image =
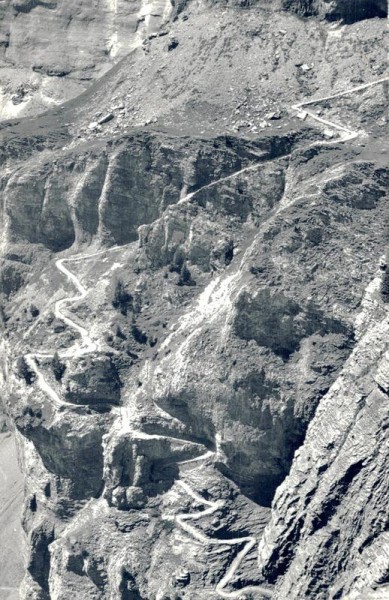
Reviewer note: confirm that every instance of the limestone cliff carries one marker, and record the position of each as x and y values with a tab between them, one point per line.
52	51
327	537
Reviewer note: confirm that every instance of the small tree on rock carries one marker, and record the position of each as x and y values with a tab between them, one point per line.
34	310
58	367
177	260
185	277
121	300
24	371
138	335
385	286
3	318
119	332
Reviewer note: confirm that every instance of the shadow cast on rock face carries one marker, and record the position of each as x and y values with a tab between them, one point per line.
39	561
280	323
199	427
350	11
128	588
358	10
161	478
260	489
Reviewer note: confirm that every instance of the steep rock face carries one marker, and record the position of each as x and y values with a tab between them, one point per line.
67	435
11	498
327	535
289	330
106	194
63	463
51	51
70	449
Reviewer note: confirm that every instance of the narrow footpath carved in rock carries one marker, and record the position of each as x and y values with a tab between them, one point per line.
88	345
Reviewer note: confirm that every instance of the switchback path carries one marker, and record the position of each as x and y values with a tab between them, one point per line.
88	345
346	133
248	542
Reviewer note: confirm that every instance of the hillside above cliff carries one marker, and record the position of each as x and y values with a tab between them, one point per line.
194	298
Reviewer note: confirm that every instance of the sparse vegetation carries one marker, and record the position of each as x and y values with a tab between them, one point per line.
138	335
130	353
122	299
24	371
385	286
229	252
50	318
178	261
3	318
185	276
58	367
119	332
153	341
58	326
34	311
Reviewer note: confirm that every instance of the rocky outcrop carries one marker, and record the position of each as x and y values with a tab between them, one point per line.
279	323
143	466
70	449
93	380
108	194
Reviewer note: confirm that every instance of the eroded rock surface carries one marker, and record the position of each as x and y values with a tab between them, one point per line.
51	51
328	508
194	338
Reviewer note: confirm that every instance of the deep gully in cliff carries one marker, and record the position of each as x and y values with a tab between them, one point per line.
88	346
